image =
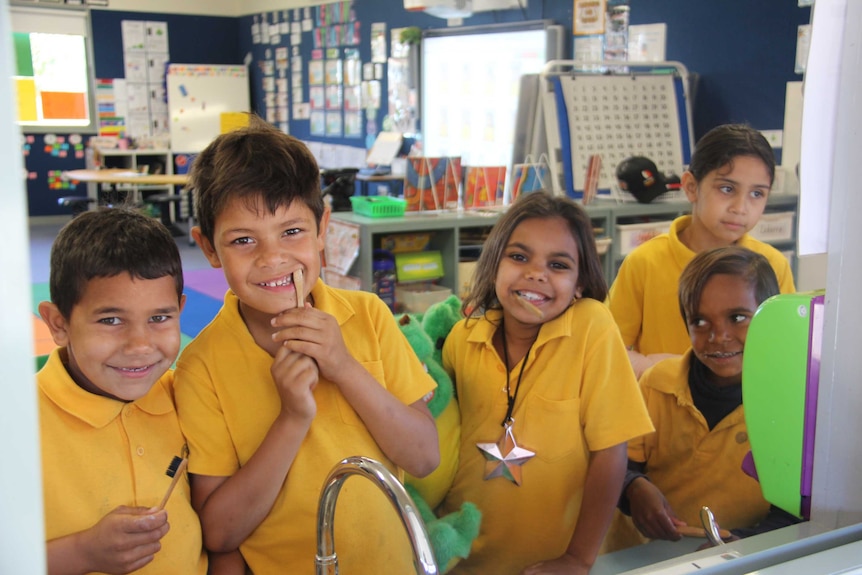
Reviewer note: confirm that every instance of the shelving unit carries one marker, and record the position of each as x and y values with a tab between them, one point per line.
447	231
631	213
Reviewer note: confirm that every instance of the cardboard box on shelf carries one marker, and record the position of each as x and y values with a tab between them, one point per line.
465	277
774	227
419	266
400	243
602	245
632	235
417	298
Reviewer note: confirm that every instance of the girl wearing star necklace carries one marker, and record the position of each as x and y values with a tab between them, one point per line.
548	399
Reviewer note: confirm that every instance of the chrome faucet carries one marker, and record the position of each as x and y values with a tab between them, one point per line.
326	561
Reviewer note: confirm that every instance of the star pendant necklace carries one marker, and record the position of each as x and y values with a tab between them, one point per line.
504	457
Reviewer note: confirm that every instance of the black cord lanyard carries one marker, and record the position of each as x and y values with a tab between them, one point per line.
511	398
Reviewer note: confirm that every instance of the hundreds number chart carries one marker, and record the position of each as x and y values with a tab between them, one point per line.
616	117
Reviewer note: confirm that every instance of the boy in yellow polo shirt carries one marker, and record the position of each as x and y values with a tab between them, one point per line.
292	377
727	183
694	458
108	426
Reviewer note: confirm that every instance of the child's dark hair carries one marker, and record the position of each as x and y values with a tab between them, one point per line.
538	204
108	242
732	260
259	165
719	146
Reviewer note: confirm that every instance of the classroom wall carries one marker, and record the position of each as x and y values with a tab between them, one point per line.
192	39
742	51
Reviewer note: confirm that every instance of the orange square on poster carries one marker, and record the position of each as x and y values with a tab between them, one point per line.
64	106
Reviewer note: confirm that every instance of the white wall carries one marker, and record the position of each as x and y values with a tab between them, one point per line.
837	497
21	525
213	7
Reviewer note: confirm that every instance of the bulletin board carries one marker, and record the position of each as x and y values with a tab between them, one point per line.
615	117
198	94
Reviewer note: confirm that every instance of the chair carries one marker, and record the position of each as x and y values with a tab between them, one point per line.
162	202
77	204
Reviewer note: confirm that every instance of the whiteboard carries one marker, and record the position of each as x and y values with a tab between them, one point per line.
198	94
470	104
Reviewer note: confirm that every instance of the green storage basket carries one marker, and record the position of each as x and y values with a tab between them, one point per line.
378	206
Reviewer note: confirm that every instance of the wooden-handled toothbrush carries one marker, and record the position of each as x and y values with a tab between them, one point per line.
300	288
175	469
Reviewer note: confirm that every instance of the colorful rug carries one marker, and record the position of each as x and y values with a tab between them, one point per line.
204	291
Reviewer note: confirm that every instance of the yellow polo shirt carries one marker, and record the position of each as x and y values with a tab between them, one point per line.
644	297
100	453
227	402
692	465
578	395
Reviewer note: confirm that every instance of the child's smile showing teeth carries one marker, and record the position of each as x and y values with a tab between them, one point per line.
281	282
532	297
723	354
135	371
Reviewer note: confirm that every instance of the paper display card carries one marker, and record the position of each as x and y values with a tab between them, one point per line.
529	178
432	183
483	186
342	246
385	149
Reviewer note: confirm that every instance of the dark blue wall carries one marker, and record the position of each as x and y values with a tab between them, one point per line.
743	52
191	39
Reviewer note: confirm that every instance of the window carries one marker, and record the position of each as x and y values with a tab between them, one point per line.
52	69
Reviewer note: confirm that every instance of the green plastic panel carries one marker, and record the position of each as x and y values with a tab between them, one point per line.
774	374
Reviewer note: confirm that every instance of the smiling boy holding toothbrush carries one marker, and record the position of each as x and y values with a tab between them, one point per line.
287	380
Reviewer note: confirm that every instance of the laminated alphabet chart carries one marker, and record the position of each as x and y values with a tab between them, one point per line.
613	117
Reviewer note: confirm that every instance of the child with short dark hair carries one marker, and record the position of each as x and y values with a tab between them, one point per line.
540	358
109	430
695	401
289	380
727	183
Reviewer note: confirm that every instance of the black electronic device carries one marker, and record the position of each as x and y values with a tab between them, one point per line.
339	185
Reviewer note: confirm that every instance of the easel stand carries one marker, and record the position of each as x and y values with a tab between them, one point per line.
615	112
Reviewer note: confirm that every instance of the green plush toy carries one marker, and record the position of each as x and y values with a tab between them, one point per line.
451	535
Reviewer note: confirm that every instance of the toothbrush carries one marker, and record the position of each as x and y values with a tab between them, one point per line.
175	470
531	308
300	291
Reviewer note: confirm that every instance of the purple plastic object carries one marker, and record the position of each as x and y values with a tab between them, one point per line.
748	466
812	385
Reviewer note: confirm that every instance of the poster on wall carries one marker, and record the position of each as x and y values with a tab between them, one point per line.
588	17
333	123
378	42
317	125
145	54
324	39
198	94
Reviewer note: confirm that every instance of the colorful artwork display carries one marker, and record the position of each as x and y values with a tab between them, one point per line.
432	183
529	178
483	186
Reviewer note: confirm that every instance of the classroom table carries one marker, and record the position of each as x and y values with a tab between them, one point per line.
364	180
115	177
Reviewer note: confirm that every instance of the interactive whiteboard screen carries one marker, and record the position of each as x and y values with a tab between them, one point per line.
470	85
